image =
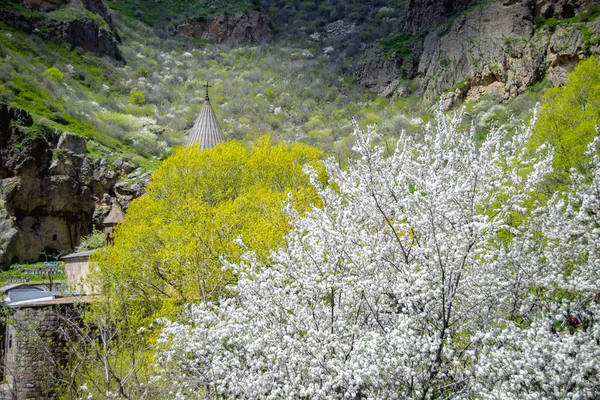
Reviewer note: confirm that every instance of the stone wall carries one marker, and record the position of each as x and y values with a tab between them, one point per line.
35	338
76	270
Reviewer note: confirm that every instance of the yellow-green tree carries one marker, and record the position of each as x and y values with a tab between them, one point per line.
568	119
169	250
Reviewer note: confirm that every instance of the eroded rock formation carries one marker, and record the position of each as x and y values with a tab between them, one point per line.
498	47
238	29
51	191
81	31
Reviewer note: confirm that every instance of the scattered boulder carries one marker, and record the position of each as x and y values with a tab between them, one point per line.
72	143
341	28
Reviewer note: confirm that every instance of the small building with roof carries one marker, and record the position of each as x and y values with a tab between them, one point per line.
206	132
114	217
77	265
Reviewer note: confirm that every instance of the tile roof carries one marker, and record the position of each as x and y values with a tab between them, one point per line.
114	216
76	255
206	131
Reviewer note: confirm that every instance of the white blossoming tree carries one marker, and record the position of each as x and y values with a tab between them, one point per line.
431	273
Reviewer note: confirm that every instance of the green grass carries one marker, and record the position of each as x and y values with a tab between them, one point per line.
31	273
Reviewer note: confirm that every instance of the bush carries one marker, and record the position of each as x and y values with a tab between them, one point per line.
93	241
54	73
136	97
552	23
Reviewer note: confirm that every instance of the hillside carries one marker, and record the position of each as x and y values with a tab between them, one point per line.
127	76
402	201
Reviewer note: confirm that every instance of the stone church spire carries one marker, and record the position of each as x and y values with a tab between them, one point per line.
206	131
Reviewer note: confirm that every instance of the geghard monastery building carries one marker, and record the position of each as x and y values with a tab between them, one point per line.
206	131
39	312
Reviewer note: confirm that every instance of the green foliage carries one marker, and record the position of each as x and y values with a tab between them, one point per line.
551	23
93	241
196	205
136	97
54	73
400	45
568	120
169	250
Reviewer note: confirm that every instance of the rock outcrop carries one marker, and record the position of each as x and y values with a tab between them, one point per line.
375	70
422	15
498	48
238	29
88	35
80	31
50	189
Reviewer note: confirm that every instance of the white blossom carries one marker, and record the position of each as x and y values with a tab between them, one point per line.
435	272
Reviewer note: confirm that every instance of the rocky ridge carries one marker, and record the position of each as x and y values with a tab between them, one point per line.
238	29
491	48
90	26
52	190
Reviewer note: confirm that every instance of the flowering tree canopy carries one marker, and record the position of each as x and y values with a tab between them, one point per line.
436	272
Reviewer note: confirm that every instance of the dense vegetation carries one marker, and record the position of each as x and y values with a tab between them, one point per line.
432	273
569	120
422	265
202	207
292	89
415	271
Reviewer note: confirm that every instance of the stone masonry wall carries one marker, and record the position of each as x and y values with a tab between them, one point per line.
35	350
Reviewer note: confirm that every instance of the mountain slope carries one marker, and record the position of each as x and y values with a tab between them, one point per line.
128	75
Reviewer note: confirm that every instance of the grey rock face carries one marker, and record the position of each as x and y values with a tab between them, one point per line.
239	29
376	71
44	5
8	236
80	31
86	33
485	48
421	15
49	189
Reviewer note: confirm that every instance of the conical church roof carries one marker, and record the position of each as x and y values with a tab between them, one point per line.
114	216
206	131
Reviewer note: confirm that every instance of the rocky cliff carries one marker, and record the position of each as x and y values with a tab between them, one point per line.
477	48
83	23
51	190
238	29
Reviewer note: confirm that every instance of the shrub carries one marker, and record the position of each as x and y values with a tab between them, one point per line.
93	241
54	73
136	97
552	23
